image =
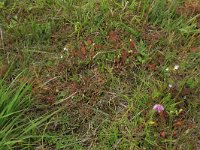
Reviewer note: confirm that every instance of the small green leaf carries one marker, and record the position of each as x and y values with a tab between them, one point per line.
1	5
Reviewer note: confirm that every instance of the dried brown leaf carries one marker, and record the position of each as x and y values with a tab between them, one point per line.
3	70
113	36
162	134
83	50
124	56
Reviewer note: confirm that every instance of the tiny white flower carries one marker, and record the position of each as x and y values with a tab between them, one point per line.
185	97
176	67
170	86
61	56
66	49
180	110
167	69
130	51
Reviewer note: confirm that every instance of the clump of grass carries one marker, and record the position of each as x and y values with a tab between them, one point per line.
17	128
15	100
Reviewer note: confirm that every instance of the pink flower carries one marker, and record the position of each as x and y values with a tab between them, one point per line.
158	107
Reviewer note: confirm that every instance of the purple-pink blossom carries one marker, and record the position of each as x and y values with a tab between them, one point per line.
158	107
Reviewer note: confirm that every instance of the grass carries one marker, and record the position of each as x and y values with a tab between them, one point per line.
86	74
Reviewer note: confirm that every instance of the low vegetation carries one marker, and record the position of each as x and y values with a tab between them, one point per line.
105	74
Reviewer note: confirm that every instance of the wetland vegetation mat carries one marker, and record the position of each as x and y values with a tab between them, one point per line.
99	74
